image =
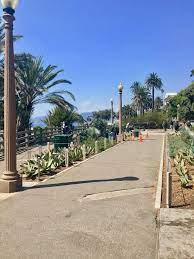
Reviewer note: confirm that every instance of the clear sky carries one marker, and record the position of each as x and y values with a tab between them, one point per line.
99	43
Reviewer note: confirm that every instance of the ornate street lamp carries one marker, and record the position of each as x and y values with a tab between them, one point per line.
120	88
9	6
112	111
10	181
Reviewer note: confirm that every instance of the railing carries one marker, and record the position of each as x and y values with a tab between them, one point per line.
30	138
36	137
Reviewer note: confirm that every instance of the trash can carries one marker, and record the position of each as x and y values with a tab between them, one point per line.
136	133
62	141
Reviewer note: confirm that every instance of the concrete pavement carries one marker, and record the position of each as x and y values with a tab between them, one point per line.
176	234
103	208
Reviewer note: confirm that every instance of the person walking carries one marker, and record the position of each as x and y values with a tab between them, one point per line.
165	125
176	126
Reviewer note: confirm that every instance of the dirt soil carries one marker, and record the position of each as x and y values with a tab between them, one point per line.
181	197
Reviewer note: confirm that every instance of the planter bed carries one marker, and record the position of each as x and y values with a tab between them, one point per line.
181	197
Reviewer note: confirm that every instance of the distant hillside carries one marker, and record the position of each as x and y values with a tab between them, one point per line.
85	115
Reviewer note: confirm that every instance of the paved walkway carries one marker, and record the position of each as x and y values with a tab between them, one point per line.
103	208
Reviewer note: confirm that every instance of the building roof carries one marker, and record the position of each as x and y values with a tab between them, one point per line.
170	94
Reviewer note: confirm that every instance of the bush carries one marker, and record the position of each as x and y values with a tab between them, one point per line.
101	126
175	144
152	120
181	141
46	163
181	149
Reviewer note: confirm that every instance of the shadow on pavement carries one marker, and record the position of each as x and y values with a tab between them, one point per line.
129	178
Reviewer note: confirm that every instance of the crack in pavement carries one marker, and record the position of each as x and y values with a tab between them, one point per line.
117	193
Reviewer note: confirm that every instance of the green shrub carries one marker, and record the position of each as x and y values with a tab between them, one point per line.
175	144
75	154
149	119
181	148
46	163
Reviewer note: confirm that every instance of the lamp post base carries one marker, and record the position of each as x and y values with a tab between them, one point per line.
10	186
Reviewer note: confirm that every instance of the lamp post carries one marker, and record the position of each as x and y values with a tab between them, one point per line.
178	107
120	88
112	111
10	181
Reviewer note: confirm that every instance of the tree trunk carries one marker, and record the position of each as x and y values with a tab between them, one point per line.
24	117
153	99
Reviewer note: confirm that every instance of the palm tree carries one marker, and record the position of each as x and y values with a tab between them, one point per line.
128	111
158	103
34	84
141	97
57	115
154	82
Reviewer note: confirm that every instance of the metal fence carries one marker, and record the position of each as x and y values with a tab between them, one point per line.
29	139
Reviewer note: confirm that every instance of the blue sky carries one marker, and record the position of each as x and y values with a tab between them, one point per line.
99	43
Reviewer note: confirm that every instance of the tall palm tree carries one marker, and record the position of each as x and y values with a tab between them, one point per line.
154	82
34	85
141	97
158	103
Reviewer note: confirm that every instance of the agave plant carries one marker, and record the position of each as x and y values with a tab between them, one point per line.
181	159
43	164
47	162
75	154
90	150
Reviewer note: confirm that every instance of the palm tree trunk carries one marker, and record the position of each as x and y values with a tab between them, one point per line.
153	98
141	110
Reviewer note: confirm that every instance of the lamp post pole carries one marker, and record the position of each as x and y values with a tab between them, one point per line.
178	107
112	112
120	88
10	181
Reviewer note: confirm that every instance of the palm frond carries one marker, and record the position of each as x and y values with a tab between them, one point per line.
57	100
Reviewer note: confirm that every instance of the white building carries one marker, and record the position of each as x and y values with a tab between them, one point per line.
168	96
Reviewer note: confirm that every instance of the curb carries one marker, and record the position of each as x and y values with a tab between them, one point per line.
159	185
158	198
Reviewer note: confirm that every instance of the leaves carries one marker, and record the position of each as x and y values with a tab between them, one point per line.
154	81
185	100
46	163
58	115
34	84
141	97
183	155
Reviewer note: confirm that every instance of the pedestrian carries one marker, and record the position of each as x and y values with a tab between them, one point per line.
64	127
176	126
171	125
165	125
